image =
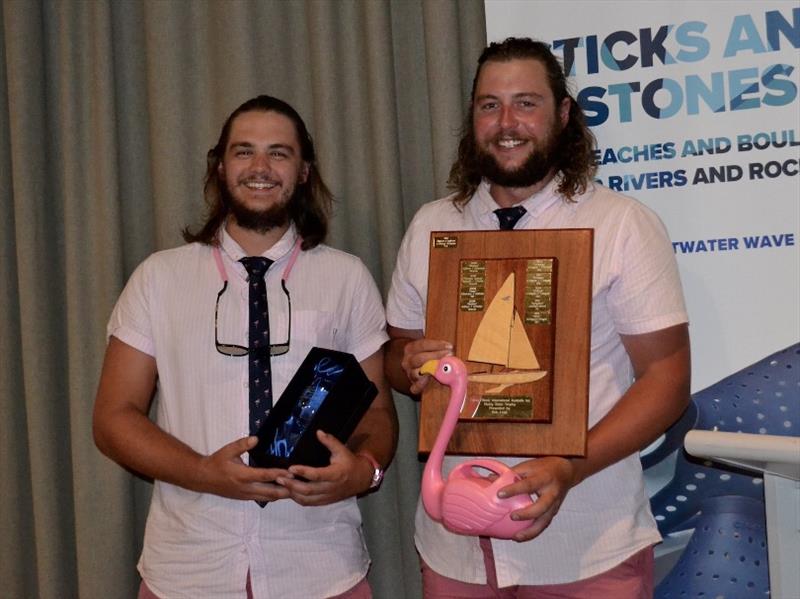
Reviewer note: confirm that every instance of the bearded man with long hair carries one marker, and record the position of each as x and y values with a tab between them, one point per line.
525	161
212	331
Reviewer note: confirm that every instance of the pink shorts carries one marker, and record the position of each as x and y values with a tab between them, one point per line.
361	591
632	579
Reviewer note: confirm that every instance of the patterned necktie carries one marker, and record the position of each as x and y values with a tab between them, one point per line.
260	375
508	217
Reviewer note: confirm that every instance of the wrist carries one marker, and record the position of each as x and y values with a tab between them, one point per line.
376	469
578	470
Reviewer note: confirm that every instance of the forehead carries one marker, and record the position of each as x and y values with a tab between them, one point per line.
262	127
518	76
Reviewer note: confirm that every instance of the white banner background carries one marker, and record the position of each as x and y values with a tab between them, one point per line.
736	239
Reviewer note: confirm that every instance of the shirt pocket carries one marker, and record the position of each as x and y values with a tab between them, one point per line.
313	328
310	328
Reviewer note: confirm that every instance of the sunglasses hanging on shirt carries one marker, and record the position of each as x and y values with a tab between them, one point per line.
275	349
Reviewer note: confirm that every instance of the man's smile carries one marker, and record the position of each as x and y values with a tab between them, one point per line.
259	184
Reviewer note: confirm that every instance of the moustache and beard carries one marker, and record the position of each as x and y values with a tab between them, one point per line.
261	221
544	157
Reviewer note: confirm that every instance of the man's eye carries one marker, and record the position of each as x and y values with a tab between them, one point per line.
243	153
278	155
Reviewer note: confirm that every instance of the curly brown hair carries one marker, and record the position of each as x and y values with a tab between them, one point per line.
310	206
575	146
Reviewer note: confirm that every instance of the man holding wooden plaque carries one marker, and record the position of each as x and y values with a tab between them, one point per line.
526	162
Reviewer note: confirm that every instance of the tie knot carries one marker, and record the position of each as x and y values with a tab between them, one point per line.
508	217
256	265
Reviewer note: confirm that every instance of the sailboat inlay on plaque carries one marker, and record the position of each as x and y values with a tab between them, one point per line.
501	340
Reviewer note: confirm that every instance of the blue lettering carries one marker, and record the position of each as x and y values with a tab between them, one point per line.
723	244
739	86
753	242
684	37
607	51
770	80
592	66
624	91
776	23
567	47
713	97
654	46
743	36
596	112
675	103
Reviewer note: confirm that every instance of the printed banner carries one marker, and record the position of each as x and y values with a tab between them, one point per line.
696	112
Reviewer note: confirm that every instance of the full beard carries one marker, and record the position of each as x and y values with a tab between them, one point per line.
539	163
260	221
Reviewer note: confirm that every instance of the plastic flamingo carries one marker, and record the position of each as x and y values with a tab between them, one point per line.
467	502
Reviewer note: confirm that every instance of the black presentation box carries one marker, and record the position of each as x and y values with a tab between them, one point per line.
330	391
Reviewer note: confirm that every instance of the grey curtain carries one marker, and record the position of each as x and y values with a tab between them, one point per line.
106	111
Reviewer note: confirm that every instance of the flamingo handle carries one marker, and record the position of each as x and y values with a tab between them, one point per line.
498	468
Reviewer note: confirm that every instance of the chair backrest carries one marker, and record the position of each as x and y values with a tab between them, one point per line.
726	557
763	398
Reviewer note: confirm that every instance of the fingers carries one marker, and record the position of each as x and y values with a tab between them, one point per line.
311	487
416	353
548	480
342	478
225	473
537	527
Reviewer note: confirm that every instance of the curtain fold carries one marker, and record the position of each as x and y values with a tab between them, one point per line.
107	110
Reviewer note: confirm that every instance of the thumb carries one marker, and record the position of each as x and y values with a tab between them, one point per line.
330	442
240	446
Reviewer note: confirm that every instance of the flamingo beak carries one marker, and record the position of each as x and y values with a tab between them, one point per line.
429	367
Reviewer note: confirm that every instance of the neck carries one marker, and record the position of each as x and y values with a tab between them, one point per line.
254	243
511	196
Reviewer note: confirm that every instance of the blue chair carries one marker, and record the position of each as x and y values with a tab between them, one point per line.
726	557
696	497
762	399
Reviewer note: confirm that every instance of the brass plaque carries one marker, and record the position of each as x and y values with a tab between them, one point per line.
472	291
539	291
501	407
516	305
445	242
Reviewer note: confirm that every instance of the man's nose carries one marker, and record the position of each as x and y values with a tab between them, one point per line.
507	117
260	163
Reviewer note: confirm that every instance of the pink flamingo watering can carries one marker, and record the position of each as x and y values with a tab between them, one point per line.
467	502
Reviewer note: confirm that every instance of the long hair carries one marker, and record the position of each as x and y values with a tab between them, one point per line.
309	208
575	146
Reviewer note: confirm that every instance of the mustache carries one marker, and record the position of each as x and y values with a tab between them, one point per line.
510	134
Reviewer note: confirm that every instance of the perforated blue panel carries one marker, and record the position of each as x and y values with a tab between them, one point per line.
726	557
763	399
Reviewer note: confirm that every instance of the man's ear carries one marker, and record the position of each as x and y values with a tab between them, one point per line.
563	111
304	172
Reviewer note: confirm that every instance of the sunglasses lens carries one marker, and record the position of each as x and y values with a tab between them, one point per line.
232	350
279	350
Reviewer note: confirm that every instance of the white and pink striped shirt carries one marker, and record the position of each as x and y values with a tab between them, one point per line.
201	545
636	289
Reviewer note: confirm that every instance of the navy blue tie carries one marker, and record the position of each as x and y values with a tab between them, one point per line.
508	217
260	375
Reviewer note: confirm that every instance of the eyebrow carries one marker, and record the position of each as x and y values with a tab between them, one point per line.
247	144
516	96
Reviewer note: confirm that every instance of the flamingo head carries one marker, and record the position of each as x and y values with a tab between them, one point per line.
446	370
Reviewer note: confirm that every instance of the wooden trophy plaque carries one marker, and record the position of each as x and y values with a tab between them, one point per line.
516	305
